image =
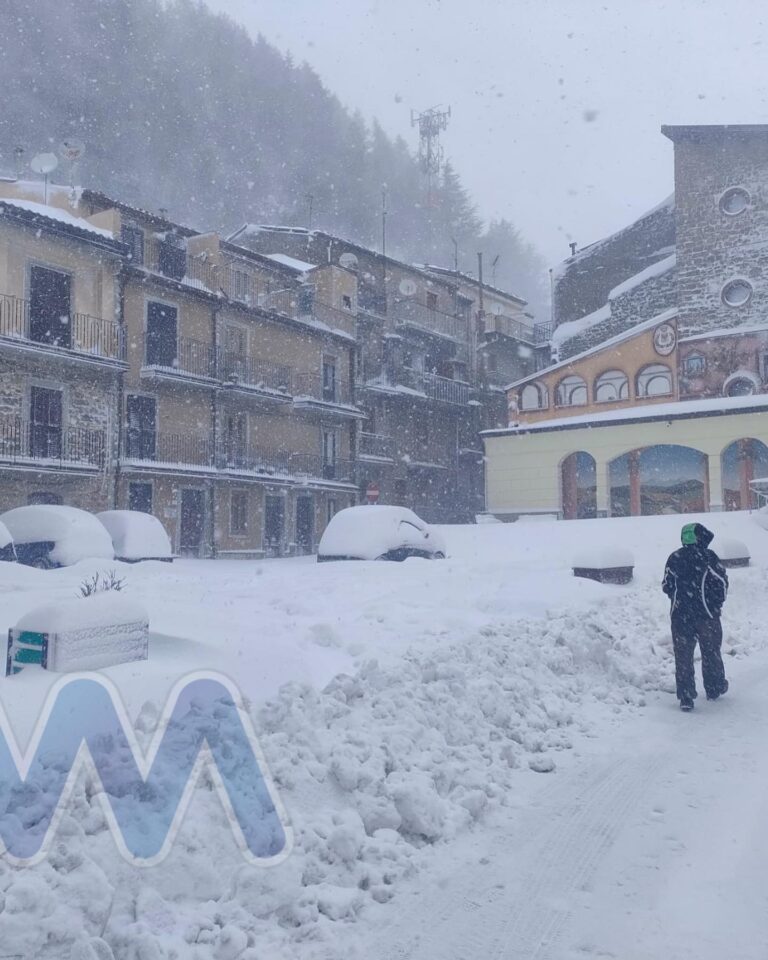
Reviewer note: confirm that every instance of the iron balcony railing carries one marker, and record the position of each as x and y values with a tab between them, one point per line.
251	459
185	357
414	314
542	333
375	445
79	333
167	448
249	371
445	390
311	386
509	327
170	259
23	441
314	466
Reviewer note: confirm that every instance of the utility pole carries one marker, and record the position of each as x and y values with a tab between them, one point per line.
384	220
310	201
480	325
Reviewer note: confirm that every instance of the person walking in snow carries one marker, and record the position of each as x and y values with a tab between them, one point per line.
697	584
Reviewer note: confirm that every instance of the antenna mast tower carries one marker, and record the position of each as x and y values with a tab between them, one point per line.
431	123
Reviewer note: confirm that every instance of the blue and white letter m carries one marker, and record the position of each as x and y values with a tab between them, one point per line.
144	795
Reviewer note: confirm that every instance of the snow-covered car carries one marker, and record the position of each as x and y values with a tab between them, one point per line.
48	535
379	533
7	550
136	536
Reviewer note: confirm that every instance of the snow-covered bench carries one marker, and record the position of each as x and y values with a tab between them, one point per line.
604	564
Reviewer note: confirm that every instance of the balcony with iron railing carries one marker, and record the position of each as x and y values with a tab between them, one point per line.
24	442
314	467
542	333
251	373
178	449
415	383
79	335
170	259
510	327
184	357
313	390
418	316
375	446
250	459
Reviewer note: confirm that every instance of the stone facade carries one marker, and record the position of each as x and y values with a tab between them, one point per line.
721	209
583	282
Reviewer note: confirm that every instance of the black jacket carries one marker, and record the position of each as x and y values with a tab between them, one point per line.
695	580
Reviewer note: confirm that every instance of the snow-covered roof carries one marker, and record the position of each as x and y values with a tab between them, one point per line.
562	268
574	327
740	331
619	338
675	410
56	214
449	272
300	266
655	270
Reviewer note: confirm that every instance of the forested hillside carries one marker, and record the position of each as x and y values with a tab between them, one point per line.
180	108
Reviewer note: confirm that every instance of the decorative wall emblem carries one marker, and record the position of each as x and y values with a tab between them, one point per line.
664	339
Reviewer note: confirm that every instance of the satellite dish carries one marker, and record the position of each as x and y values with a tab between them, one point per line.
408	287
44	163
71	150
348	261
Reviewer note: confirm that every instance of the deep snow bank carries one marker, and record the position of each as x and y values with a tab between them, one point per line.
459	678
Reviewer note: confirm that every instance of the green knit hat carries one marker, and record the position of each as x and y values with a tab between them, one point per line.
688	534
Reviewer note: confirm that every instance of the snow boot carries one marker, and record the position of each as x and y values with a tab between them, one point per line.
722	691
686	705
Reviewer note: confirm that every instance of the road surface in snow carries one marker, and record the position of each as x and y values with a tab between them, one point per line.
407	712
653	843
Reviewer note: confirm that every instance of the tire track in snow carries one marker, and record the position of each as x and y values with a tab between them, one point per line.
516	906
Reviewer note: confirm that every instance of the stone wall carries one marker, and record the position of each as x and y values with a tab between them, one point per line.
646	300
713	246
583	282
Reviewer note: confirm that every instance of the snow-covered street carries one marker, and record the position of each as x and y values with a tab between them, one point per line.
481	757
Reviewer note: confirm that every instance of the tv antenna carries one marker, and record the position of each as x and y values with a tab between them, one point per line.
431	123
44	163
72	151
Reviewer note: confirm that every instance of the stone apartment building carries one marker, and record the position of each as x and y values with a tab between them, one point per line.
187	378
241	389
431	365
656	399
62	356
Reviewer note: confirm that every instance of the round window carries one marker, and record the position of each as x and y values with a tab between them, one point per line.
734	201
737	292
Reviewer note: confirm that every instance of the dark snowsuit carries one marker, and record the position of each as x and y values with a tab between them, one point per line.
697	584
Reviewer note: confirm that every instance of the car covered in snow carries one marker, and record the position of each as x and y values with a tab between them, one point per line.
136	536
7	549
379	533
51	535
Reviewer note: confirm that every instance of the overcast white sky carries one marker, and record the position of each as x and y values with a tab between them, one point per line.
556	104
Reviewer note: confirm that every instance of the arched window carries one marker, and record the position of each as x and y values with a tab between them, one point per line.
740	385
571	392
611	385
655	380
532	397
